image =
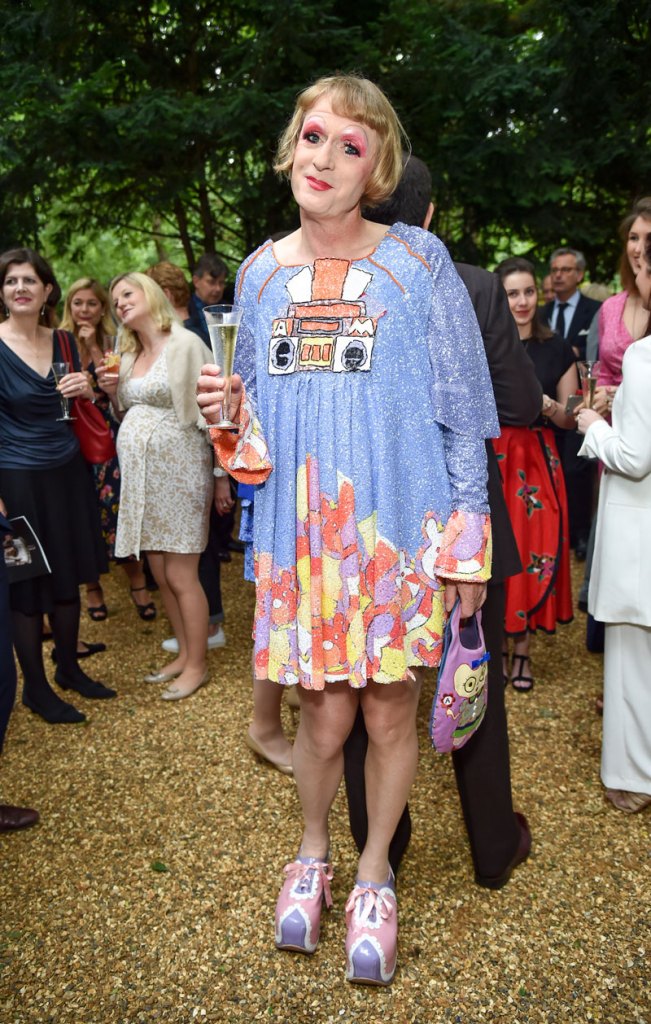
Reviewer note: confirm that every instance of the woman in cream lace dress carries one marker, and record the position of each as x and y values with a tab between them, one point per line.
166	463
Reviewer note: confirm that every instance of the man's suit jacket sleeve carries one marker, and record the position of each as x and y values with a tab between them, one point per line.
518	394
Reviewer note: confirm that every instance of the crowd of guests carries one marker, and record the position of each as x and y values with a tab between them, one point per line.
364	354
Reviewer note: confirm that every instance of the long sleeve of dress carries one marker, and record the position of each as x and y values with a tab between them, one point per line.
465	407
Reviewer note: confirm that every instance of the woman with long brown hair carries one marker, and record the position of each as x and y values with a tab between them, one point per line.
540	596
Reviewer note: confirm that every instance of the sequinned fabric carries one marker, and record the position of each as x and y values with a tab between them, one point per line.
368	382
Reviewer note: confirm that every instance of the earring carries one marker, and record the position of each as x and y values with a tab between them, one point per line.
43	308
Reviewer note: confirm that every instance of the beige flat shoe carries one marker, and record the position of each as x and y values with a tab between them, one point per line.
171	693
630	803
286	769
161	677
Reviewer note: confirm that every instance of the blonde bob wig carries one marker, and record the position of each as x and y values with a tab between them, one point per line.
106	326
360	100
159	306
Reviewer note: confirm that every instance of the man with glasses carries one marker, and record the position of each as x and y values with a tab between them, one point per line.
570	314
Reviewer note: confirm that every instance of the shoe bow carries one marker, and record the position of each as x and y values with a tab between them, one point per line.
302	873
373	903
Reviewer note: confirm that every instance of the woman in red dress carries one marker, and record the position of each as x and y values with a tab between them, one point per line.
539	596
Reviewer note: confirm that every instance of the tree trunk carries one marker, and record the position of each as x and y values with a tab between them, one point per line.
184	233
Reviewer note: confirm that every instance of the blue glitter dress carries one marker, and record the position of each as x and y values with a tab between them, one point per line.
367	382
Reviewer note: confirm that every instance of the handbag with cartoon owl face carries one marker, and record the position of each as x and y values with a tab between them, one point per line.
459	703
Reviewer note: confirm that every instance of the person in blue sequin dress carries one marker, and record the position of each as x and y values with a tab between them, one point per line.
365	404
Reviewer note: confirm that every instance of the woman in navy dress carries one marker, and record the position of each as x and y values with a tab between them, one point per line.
44	478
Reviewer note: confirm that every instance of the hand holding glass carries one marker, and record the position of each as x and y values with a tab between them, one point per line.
223	323
60	370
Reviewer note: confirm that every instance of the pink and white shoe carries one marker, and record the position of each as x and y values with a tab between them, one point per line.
298	910
372	938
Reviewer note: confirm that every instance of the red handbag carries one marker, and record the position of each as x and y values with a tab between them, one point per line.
93	432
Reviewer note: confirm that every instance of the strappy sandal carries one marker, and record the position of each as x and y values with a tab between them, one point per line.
99	612
147	612
630	803
520	681
506	669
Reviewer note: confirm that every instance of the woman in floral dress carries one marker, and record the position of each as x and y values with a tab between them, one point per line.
365	406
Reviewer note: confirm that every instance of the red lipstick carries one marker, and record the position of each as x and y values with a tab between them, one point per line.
317	184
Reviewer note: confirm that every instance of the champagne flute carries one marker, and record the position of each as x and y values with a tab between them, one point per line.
60	369
223	324
589	374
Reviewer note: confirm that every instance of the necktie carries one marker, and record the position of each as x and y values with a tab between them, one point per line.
560	319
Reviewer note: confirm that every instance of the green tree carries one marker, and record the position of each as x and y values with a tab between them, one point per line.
157	119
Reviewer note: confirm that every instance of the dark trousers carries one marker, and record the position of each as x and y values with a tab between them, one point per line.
210	568
579	476
482	770
7	664
482	767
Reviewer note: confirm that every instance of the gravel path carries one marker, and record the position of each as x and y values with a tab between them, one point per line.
147	891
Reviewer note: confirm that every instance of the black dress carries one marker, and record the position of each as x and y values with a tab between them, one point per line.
44	477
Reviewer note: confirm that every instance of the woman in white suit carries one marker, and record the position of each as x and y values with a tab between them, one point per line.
620	594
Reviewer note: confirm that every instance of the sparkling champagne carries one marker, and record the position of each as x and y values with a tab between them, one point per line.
222	340
223	322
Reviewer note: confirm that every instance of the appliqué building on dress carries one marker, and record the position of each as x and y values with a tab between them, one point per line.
324	333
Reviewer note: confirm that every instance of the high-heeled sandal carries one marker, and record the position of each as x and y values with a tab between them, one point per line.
98	612
298	910
506	667
147	612
520	681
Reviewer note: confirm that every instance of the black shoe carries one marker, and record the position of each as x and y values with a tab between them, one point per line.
85	686
56	711
224	556
237	546
522	851
12	818
90	650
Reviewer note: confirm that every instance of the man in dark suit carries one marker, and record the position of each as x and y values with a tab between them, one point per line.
499	837
11	818
570	315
